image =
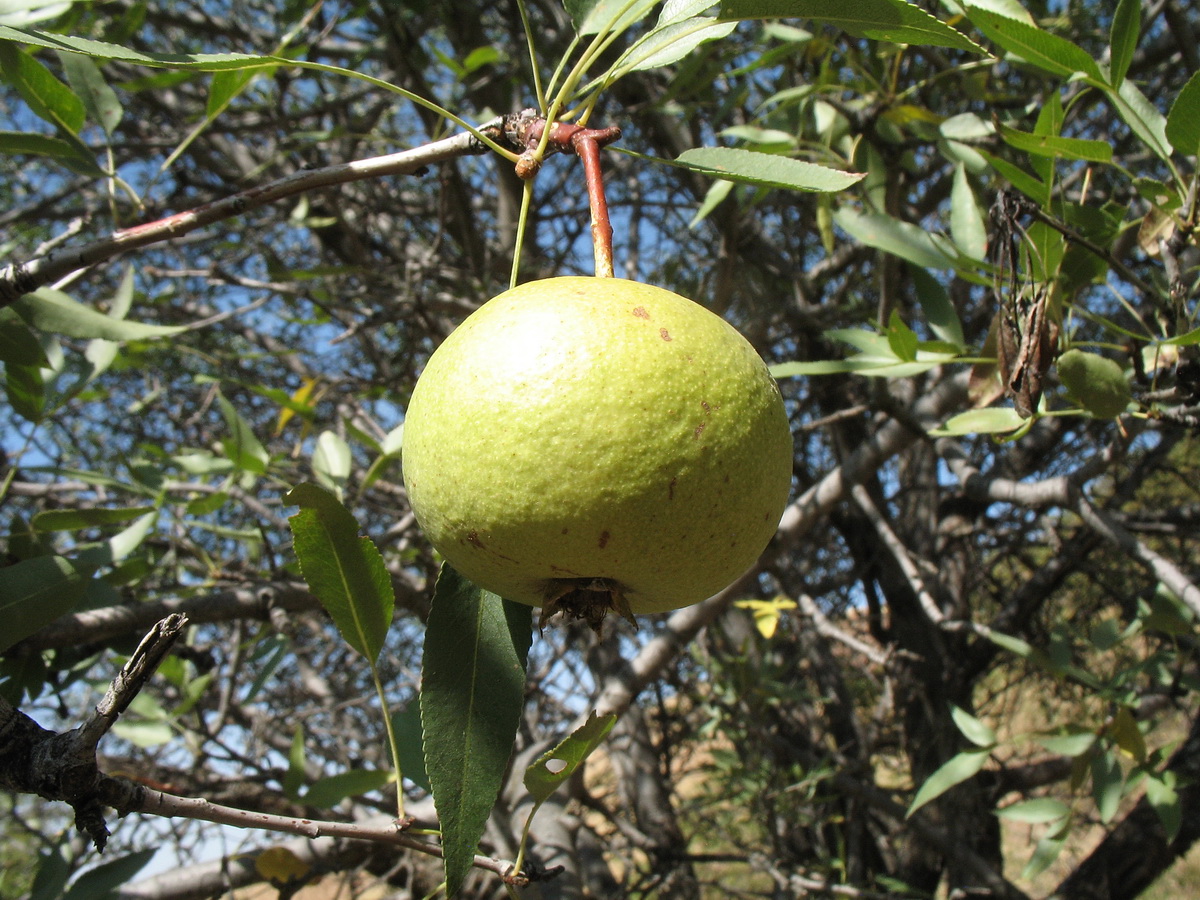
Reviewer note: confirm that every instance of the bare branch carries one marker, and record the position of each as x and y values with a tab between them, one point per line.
17	279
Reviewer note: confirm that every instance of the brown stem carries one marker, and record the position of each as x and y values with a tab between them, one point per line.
528	131
588	148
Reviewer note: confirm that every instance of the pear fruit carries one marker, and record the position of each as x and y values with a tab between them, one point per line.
594	444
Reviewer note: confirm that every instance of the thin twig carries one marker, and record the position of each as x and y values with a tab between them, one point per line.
17	279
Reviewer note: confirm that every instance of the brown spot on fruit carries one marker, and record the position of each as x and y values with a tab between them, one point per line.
699	431
640	312
664	334
671	490
603	542
473	539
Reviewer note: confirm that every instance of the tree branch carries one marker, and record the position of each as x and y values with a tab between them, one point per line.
17	279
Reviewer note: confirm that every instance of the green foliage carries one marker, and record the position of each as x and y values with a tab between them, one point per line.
472	690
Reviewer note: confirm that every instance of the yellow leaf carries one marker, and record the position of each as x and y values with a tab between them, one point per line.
300	396
281	865
767	613
1125	731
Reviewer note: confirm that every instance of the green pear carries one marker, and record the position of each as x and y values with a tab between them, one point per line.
586	444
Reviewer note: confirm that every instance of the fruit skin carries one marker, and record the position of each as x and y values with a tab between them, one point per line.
577	428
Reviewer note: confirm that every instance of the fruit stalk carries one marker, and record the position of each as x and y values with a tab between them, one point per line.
538	137
587	146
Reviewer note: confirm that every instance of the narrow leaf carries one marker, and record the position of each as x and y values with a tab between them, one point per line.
1035	812
472	690
1183	121
50	310
333	789
1107	784
966	220
555	766
105	50
978	733
48	97
671	43
88	82
20	143
993	420
1143	117
345	572
1048	849
954	771
74	519
1054	147
35	592
1029	42
18	344
103	880
1123	39
883	20
766	169
26	391
902	239
594	16
242	448
940	313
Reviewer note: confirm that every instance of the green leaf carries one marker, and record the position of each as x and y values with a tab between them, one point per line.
48	98
902	239
954	771
1123	38
1037	47
1143	117
978	733
100	882
34	592
1095	382
1164	800
1048	849
472	691
410	742
293	778
331	460
26	391
345	572
940	313
49	310
225	87
1183	121
1076	741
594	16
678	10
333	789
993	420
1055	147
20	143
882	20
967	228
555	766
1035	812
98	98
74	519
242	448
1108	785
765	169
901	339
671	43
1029	185
103	50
